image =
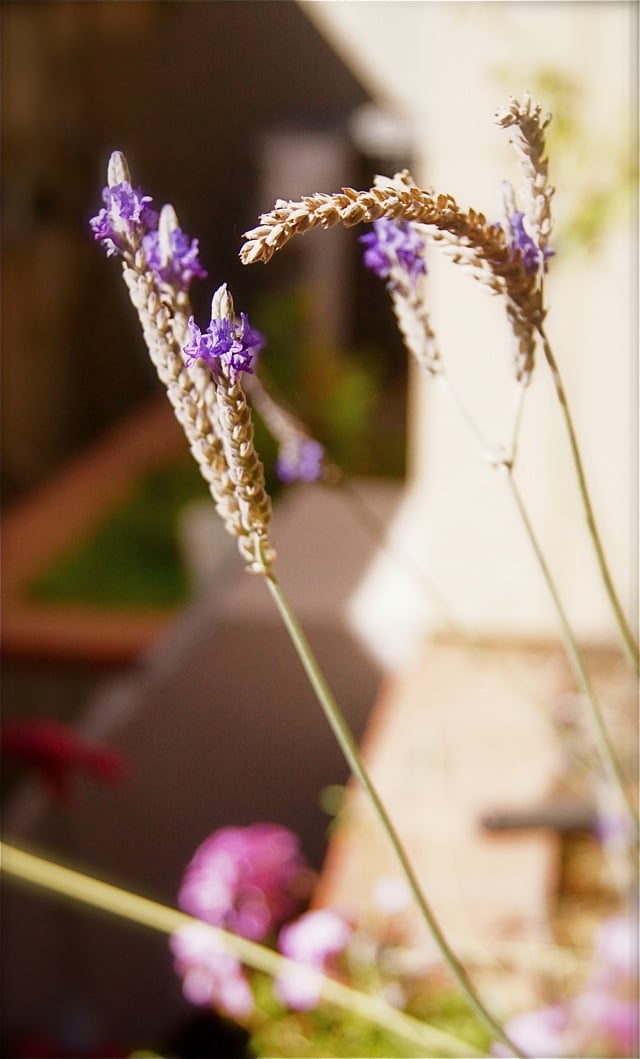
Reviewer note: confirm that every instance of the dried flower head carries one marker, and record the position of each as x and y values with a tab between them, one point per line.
475	245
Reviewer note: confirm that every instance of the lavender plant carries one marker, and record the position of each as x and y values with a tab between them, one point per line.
217	955
509	259
217	416
207	375
200	370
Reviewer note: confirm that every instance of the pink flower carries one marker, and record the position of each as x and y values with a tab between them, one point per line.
391	894
537	1033
603	1018
210	975
246	879
616	947
607	1008
606	1019
313	941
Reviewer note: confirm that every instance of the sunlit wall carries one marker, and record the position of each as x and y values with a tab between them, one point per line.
447	67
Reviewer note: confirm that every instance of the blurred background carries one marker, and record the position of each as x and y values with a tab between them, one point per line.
200	98
126	615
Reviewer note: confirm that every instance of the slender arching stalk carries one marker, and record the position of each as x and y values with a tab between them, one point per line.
573	650
351	753
378	530
576	659
443	382
626	633
58	879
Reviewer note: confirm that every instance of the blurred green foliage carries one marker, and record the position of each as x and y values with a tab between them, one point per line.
132	559
333	1032
348	399
600	193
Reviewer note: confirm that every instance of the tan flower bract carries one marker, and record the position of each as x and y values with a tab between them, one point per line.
185	395
117	170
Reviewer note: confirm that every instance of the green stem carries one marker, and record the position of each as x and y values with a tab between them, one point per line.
378	530
517	422
626	633
73	885
351	753
576	659
442	380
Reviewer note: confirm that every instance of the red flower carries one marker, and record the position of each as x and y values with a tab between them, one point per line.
56	751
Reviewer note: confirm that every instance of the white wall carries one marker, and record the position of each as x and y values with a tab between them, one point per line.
448	66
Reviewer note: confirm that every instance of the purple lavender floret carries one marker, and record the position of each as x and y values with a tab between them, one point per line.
522	241
392	244
235	345
303	462
183	264
125	215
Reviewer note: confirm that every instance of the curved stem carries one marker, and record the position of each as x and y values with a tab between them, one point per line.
71	884
577	661
351	753
626	633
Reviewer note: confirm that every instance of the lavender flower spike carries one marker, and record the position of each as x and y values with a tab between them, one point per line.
211	409
222	343
126	215
171	253
228	345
